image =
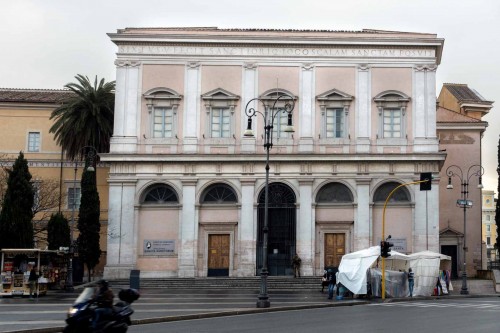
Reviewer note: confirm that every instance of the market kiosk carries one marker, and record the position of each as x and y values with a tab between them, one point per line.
16	265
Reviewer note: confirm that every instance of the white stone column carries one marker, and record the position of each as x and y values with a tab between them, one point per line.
247	228
249	90
363	109
362	222
305	113
127	107
426	219
188	247
191	107
305	228
121	250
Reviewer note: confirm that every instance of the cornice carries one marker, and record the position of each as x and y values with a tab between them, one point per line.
118	158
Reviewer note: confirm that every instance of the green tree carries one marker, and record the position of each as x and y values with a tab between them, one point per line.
85	118
16	228
58	232
89	225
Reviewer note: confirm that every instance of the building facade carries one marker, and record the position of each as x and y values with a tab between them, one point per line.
489	227
25	126
186	187
460	130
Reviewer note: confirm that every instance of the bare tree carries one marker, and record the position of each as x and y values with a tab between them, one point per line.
46	203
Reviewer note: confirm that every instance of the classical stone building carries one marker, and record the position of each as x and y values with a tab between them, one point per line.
186	186
460	131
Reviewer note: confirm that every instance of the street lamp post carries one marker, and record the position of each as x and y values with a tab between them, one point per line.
285	106
90	154
464	202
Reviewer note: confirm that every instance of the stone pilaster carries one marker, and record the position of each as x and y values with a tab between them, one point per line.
363	109
122	228
188	230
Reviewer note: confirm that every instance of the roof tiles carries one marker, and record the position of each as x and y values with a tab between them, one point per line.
33	95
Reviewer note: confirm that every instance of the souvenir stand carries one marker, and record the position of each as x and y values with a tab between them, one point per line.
17	263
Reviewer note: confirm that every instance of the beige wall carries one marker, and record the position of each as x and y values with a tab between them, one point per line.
16	120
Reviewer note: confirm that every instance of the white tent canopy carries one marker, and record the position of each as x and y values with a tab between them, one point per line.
353	267
426	264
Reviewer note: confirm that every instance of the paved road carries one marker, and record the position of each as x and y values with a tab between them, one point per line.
50	310
464	315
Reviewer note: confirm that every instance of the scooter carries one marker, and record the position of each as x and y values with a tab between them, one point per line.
81	313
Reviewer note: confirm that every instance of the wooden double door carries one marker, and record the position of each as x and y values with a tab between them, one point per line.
218	255
334	249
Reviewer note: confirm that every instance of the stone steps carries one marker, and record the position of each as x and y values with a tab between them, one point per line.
273	282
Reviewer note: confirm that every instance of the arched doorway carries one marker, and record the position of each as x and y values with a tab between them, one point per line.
282	229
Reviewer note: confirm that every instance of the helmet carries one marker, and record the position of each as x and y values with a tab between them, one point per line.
103	283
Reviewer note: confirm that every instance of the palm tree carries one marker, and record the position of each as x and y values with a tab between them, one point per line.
85	118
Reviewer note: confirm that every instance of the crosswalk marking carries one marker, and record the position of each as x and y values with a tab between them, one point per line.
481	306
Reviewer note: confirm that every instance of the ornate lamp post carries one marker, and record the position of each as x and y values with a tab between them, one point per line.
464	202
89	154
271	109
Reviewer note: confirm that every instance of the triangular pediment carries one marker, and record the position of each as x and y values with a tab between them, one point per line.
449	232
334	95
220	94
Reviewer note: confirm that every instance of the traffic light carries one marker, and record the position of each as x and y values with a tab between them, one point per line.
426	186
385	249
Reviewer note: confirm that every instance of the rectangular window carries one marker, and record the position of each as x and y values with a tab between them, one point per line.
488	240
163	122
221	123
74	196
392	123
334	123
279	125
488	218
34	141
488	228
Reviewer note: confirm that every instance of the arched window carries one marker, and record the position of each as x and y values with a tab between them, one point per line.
160	194
219	194
401	195
334	193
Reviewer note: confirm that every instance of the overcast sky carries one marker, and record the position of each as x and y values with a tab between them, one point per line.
45	43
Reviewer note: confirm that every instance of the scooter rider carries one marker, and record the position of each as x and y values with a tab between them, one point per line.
104	299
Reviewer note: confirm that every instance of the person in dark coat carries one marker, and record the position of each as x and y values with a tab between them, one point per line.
33	281
331	278
296	261
104	298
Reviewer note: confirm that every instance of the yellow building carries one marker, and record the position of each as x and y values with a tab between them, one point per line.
489	229
24	126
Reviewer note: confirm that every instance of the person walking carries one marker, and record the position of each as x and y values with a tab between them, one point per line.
411	281
33	281
296	261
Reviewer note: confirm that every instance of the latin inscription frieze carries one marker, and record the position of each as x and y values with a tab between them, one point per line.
277	51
